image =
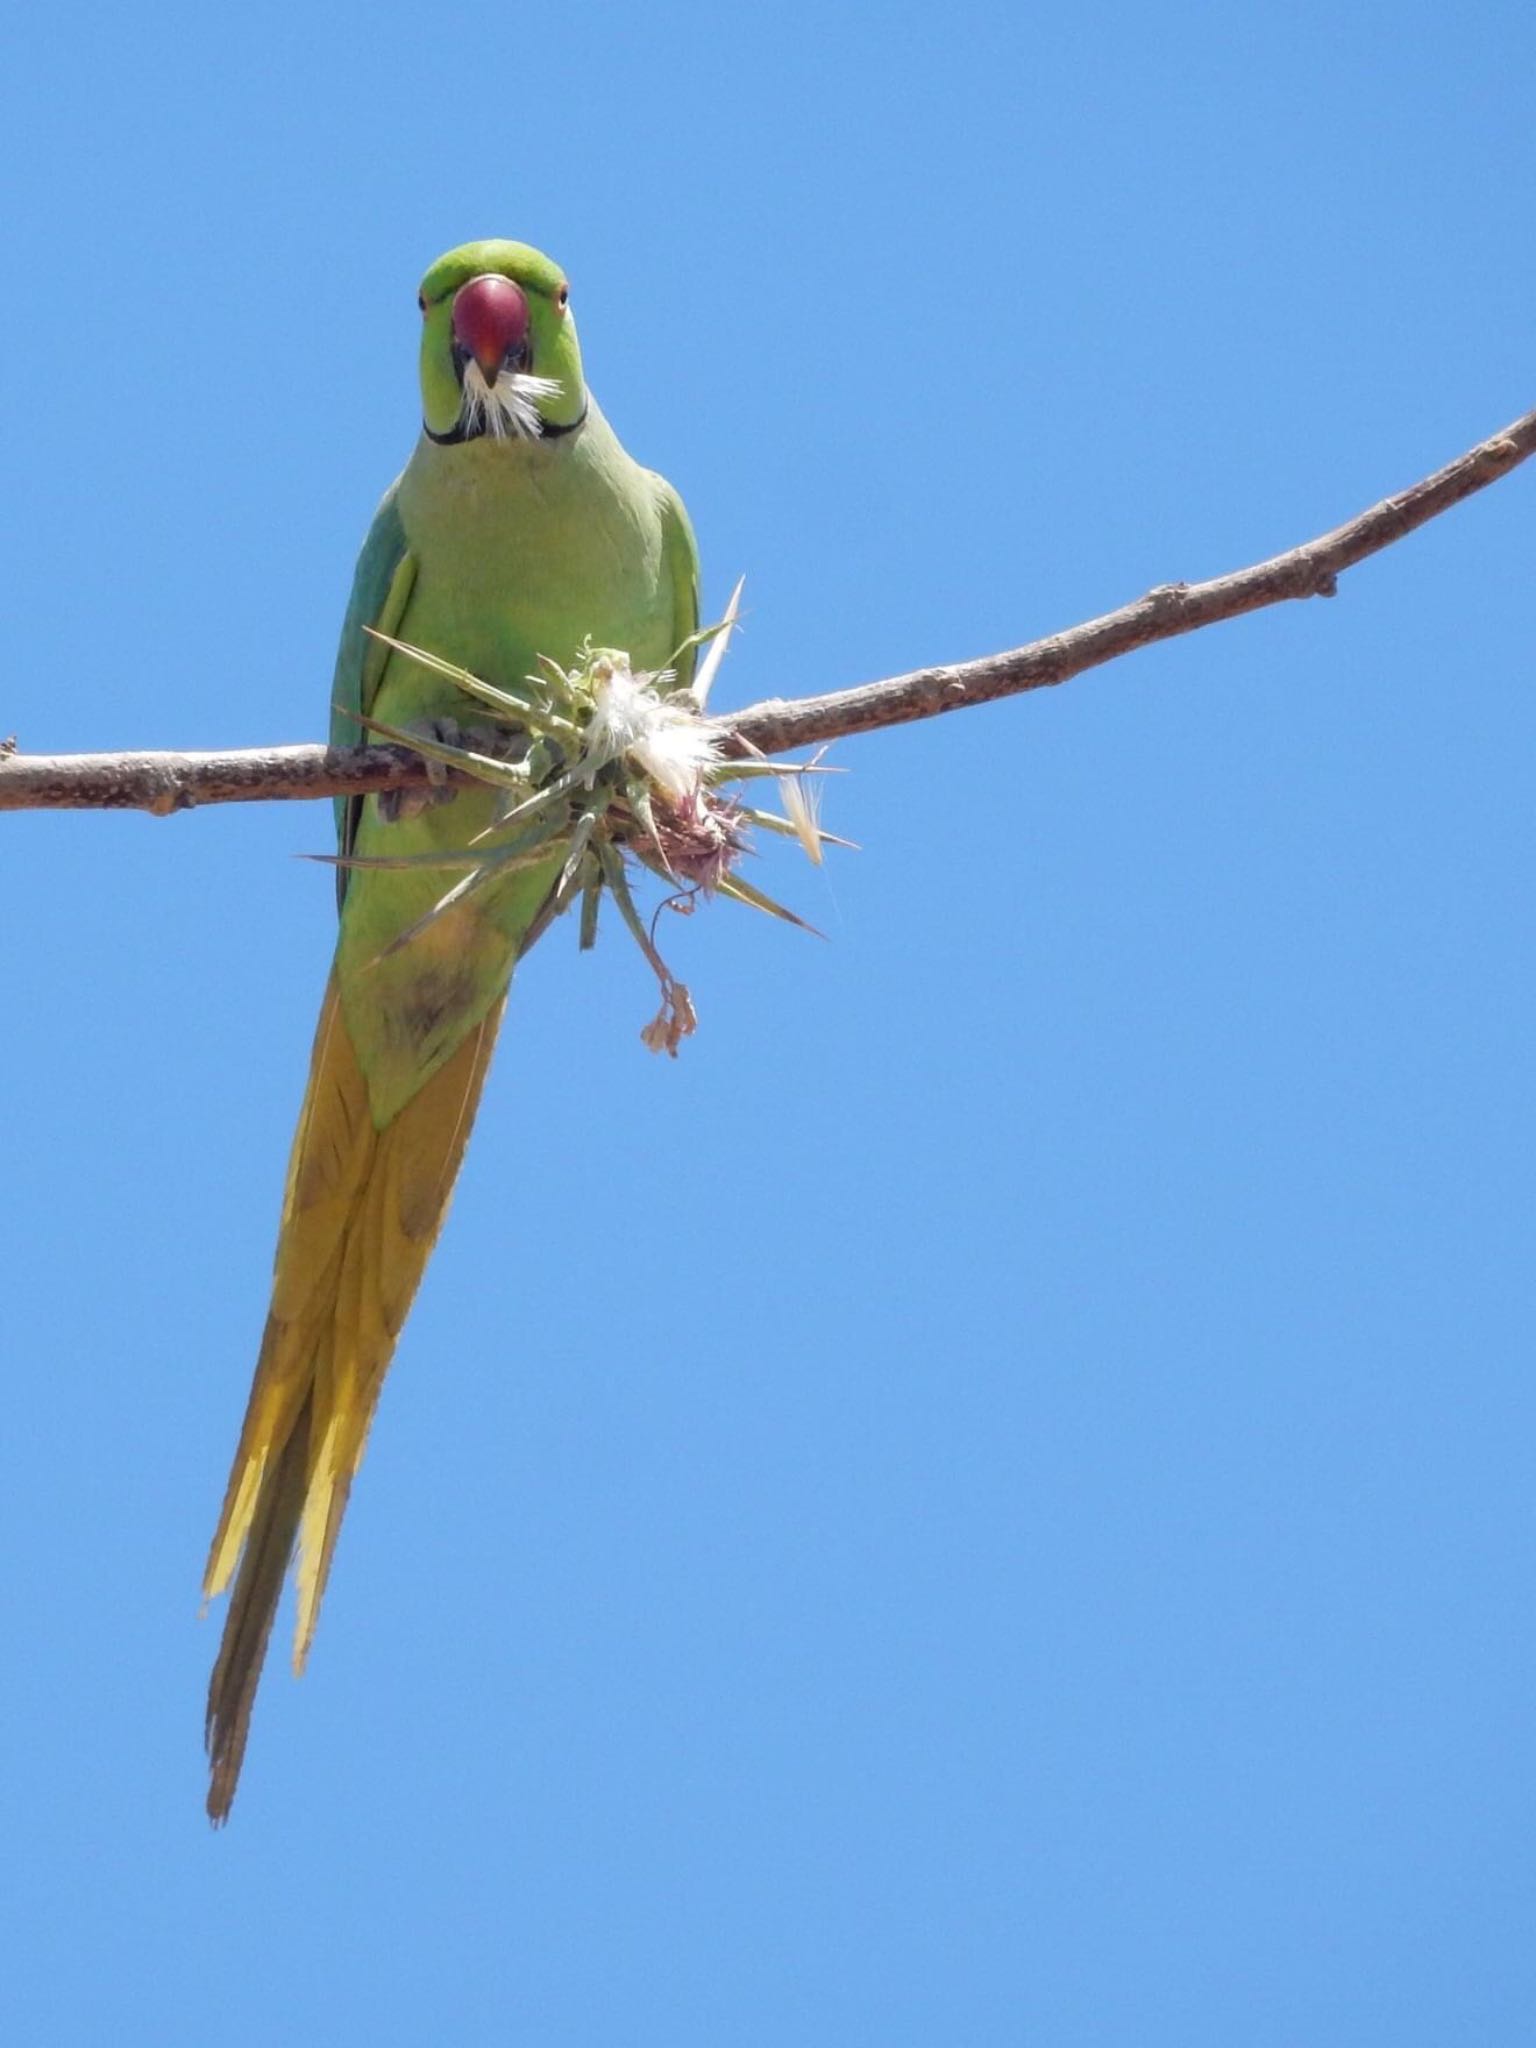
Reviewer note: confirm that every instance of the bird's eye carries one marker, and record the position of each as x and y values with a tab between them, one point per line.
563	297
421	302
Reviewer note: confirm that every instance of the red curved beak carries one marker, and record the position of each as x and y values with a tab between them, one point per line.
490	321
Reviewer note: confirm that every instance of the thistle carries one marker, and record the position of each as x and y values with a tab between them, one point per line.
621	768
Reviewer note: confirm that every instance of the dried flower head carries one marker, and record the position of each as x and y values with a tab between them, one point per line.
612	765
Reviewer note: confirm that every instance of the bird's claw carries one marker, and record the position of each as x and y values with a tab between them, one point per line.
398	804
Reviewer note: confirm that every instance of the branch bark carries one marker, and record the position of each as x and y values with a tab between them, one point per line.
166	782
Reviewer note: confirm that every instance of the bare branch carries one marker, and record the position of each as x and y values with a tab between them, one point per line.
163	783
1311	570
168	782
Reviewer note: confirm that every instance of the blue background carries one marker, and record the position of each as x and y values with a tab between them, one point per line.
991	1502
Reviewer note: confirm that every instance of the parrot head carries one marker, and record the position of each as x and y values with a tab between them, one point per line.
499	355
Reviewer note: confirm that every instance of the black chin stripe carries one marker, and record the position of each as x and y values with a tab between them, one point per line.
549	430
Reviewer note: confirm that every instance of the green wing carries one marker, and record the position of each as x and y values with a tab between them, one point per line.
681	553
381	585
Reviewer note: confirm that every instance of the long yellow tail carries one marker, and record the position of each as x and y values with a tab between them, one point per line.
361	1213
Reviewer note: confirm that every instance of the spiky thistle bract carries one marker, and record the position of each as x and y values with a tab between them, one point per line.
619	767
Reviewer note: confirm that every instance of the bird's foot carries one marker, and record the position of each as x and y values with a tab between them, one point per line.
397	804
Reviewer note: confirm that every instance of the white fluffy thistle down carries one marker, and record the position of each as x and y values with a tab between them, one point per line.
631	720
509	409
802	806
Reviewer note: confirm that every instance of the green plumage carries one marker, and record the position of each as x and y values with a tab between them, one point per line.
520	549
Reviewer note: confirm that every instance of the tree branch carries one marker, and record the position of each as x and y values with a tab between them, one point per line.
166	782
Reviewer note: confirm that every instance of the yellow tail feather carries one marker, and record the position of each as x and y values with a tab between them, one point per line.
361	1213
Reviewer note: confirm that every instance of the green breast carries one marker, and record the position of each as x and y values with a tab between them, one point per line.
522	549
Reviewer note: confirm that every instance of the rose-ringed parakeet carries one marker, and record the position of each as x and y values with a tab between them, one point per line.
519	529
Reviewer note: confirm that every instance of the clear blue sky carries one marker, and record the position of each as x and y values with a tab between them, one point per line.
991	1502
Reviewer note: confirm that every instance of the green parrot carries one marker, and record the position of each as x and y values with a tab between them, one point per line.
518	529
